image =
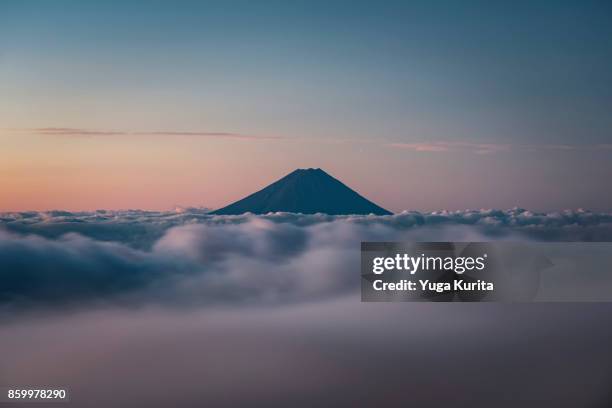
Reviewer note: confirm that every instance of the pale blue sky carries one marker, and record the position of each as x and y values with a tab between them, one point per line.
513	96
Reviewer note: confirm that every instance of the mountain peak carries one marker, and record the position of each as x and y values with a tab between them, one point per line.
305	191
310	170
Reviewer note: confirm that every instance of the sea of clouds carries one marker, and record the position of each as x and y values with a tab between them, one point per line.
185	309
186	256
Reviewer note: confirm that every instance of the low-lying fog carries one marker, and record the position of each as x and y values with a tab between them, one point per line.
185	309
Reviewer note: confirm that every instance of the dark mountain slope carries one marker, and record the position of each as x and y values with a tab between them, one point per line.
305	191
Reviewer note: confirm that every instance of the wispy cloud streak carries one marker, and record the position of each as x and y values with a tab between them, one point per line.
209	134
436	146
63	131
444	146
490	148
68	131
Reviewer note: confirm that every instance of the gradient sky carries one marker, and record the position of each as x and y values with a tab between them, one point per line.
417	105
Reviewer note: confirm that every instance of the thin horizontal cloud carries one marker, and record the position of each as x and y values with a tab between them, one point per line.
489	148
443	146
67	131
63	131
440	146
565	147
208	134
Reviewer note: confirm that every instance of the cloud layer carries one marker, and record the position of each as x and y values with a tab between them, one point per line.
140	229
184	309
189	257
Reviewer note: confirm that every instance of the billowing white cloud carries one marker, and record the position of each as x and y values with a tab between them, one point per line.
187	256
127	276
141	229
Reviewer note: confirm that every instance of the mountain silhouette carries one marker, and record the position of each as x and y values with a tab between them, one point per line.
305	191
